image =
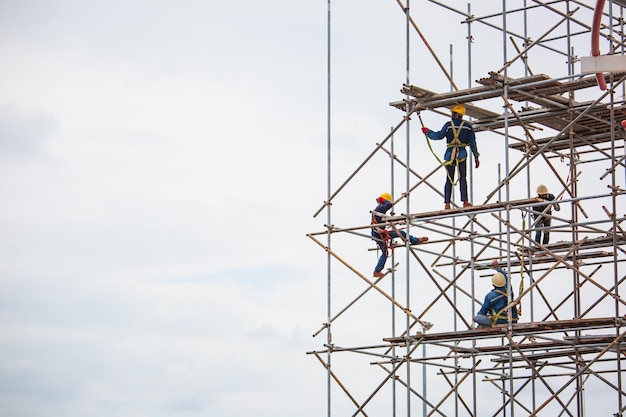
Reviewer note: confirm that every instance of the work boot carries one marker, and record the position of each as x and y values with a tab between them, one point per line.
418	240
447	206
378	274
467	204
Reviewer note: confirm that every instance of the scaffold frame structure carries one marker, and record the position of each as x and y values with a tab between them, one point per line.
415	349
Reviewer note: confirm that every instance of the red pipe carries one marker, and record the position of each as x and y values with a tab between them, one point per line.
595	39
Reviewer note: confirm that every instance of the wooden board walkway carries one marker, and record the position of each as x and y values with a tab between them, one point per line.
518	329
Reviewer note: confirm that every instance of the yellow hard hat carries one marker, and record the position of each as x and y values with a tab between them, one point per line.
542	189
458	108
386	196
498	280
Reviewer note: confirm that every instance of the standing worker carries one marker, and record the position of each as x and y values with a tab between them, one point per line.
542	214
492	310
382	236
459	133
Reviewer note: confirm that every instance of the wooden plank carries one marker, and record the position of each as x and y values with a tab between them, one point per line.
476	208
554	111
518	329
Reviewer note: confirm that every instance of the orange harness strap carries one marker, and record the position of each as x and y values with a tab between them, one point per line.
387	237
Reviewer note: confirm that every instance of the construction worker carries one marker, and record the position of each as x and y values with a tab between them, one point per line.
542	214
459	133
384	237
492	310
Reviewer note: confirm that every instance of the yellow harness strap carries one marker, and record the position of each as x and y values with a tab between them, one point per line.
430	146
495	315
454	143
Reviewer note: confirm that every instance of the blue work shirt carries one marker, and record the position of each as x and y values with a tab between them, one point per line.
496	300
538	210
380	208
466	136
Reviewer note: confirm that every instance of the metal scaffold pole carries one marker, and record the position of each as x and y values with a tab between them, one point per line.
406	342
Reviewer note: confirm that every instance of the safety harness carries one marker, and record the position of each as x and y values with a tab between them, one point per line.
384	236
455	143
495	315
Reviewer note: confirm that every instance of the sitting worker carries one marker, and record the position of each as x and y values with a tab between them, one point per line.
542	215
382	236
492	310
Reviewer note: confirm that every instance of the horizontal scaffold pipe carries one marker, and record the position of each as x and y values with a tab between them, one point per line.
522	86
581	371
573	249
517	329
473	210
429	218
544	147
562	348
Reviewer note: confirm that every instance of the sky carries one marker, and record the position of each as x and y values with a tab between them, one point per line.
154	158
160	165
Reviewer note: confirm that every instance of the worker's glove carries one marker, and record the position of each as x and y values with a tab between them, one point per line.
425	130
477	163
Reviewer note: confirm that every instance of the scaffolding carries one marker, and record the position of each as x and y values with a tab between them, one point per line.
411	347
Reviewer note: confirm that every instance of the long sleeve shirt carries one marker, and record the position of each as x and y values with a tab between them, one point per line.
465	133
380	208
496	300
538	210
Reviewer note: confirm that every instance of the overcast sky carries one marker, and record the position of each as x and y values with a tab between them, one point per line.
160	162
160	165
